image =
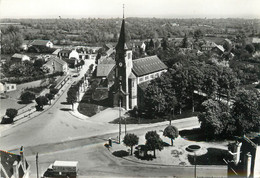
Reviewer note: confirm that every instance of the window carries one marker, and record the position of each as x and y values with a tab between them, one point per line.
129	55
133	84
12	87
147	77
156	75
151	76
141	79
7	88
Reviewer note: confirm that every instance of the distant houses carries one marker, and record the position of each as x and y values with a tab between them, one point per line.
40	46
42	43
18	58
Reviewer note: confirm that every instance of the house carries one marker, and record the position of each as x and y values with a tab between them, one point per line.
208	46
42	43
245	160
56	64
14	165
68	54
130	74
18	58
140	45
7	87
218	49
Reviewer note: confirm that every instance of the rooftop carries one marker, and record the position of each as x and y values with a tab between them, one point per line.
147	65
40	42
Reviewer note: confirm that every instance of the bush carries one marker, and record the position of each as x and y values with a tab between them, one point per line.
10	113
27	97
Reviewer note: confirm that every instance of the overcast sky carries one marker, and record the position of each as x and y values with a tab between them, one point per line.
133	8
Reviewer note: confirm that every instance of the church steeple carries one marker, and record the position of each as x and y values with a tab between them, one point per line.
121	45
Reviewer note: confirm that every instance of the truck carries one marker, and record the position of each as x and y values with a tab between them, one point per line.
62	169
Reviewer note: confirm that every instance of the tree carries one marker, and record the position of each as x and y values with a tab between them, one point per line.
41	101
246	111
11	113
250	48
54	91
27	97
131	140
198	34
49	96
185	42
72	96
171	132
211	125
153	141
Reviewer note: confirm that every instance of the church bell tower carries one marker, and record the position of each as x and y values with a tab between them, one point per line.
123	69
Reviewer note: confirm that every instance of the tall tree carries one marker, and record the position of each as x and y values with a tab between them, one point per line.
131	140
153	141
246	111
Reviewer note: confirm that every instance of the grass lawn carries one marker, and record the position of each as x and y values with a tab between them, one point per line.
36	90
90	109
134	120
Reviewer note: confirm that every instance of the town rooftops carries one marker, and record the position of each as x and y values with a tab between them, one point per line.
103	70
58	60
40	42
147	65
16	55
56	51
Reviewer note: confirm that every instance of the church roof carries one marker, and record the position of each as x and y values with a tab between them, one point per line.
147	65
132	76
121	45
103	70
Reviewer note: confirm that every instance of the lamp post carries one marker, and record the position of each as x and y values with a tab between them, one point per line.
37	165
194	148
119	122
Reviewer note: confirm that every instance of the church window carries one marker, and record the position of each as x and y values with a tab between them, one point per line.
133	84
129	55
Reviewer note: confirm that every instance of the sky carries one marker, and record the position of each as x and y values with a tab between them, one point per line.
133	8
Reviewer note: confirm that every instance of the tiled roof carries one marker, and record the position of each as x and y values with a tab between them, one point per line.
103	70
16	55
56	51
147	65
65	51
109	45
132	76
107	60
58	60
40	42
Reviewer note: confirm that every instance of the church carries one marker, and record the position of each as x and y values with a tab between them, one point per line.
131	77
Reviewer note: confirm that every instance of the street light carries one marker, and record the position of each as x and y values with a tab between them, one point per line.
119	121
194	148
